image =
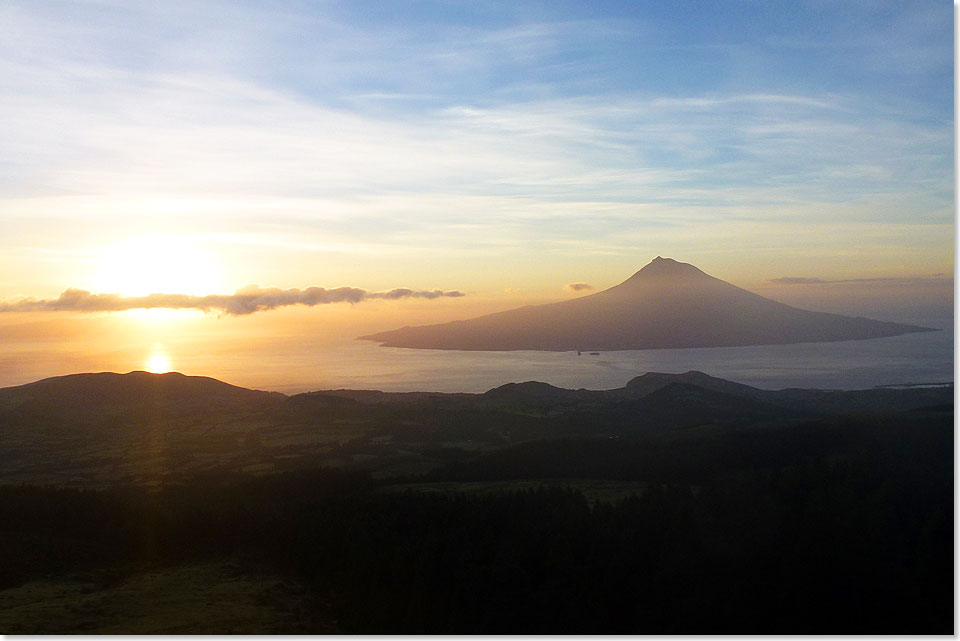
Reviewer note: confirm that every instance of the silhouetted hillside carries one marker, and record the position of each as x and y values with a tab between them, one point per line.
78	395
97	429
653	381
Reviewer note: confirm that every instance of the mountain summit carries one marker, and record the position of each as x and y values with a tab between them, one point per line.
667	269
667	304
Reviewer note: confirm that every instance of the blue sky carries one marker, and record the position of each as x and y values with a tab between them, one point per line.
450	52
491	147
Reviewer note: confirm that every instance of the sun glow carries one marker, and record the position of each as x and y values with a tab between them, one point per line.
158	363
161	314
167	264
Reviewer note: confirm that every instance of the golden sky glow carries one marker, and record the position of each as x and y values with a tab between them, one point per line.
503	152
162	263
480	149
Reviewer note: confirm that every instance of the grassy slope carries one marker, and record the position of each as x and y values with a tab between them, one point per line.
204	598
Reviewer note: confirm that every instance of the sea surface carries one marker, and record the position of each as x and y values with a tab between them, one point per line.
901	360
302	363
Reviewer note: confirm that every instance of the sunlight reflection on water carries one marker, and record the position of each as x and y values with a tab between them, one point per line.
301	363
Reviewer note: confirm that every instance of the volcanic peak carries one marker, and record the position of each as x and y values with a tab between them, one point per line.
666	269
665	305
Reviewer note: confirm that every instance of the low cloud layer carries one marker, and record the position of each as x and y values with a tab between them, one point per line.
245	301
579	287
791	280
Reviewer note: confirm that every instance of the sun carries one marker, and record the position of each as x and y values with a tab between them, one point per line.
156	264
158	363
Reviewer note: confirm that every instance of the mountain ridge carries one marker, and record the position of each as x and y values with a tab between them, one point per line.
95	430
103	388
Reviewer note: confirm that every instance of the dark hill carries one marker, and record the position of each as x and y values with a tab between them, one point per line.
667	304
80	395
150	429
535	391
653	381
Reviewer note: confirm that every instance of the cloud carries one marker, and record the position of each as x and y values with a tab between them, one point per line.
579	287
116	124
245	301
788	280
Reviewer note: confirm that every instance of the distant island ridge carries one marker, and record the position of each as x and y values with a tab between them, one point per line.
665	305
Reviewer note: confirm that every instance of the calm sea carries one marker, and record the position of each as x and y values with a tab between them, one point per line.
301	363
909	359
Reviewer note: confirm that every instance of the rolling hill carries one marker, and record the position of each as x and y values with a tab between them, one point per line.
148	429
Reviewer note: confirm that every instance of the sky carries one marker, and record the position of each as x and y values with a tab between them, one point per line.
500	150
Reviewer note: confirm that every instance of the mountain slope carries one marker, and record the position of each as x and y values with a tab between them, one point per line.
667	304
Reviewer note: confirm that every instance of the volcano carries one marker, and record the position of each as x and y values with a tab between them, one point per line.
667	304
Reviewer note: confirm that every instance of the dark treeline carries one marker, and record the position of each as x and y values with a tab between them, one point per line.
840	527
917	444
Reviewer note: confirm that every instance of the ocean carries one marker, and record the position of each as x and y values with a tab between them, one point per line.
299	363
901	360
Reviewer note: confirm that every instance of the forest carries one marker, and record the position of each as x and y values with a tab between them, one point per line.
839	524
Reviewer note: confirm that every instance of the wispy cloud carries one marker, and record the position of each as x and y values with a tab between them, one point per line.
793	280
579	287
327	128
245	301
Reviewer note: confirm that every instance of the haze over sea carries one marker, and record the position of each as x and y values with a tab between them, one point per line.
293	364
910	358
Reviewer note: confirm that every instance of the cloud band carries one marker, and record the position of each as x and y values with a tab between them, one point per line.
790	280
245	301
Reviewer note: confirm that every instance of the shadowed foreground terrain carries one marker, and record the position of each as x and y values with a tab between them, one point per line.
676	504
